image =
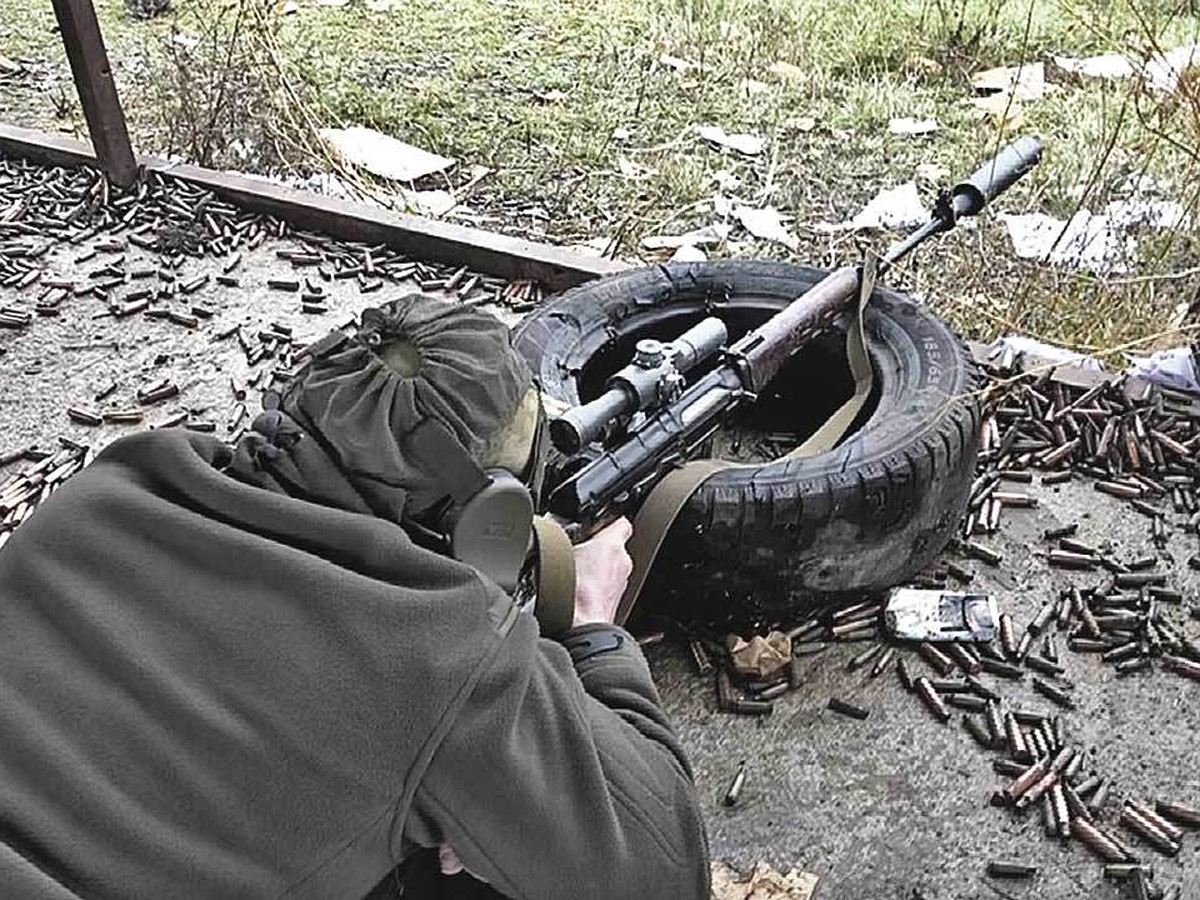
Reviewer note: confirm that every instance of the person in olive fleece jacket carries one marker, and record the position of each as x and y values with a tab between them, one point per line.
233	672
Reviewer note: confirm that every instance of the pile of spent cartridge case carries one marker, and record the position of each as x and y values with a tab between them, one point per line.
172	253
1137	445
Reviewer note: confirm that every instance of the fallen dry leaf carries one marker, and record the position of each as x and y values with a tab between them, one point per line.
786	71
800	123
916	64
1002	110
763	883
1025	82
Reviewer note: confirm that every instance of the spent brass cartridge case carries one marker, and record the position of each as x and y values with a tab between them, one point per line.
906	677
1009	767
741	707
865	657
1098	798
1071	772
795	677
1062	815
847	709
968	702
1037	744
1170	829
1177	812
1139	579
1018	747
1029	717
984	554
882	663
1011	498
995	722
734	790
1004	670
809	648
774	692
1097	841
1010	870
123	416
1120	871
1035	792
1042	619
1116	489
966	660
700	657
931	698
1043	665
83	416
1066	531
1050	647
940	662
978	731
1136	823
1025	645
1053	693
1063	758
950	687
1131	666
1075	806
1064	559
979	689
1008	639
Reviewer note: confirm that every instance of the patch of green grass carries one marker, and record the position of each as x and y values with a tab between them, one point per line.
591	136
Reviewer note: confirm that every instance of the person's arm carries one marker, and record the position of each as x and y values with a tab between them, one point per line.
562	776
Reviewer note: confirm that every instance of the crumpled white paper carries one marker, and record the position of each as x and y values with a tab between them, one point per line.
1098	242
1174	368
749	144
716	233
1160	71
910	127
766	224
1041	351
688	253
898	207
382	155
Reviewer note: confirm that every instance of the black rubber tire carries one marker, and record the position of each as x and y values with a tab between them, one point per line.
862	517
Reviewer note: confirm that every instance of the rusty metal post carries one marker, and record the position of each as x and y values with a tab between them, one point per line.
97	92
